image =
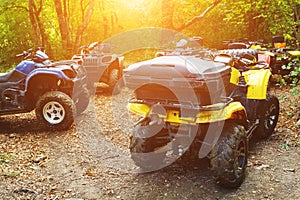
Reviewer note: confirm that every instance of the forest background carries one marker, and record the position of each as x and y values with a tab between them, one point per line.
63	26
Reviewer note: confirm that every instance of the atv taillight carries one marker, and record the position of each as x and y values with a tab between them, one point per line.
279	45
239	115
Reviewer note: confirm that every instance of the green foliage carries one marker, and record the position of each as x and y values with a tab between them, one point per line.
284	146
293	66
230	19
139	55
293	77
262	19
15	33
295	91
5	158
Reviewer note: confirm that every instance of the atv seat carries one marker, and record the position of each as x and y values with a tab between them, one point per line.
12	76
4	77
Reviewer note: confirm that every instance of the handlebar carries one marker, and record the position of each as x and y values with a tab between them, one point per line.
245	64
25	54
37	55
242	62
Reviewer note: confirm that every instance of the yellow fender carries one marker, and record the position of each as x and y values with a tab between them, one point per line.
234	110
269	53
257	81
294	53
139	109
257	47
234	77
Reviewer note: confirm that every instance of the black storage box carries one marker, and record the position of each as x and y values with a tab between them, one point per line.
183	79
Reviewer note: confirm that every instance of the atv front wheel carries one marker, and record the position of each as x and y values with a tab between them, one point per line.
114	82
228	158
56	110
269	117
113	77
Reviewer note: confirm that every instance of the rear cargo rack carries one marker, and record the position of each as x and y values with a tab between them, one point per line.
225	101
63	62
162	65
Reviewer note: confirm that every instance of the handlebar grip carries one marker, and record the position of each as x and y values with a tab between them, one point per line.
25	53
20	55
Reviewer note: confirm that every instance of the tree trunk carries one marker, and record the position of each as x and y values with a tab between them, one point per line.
104	18
40	36
167	7
114	22
86	17
167	10
32	16
199	17
297	26
62	16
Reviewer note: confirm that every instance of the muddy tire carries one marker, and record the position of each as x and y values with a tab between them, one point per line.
228	158
143	151
56	110
82	101
146	160
113	77
269	117
113	81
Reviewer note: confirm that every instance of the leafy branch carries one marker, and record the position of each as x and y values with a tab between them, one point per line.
199	17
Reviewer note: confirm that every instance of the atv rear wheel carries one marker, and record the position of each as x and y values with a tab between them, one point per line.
56	110
142	157
269	117
143	149
228	158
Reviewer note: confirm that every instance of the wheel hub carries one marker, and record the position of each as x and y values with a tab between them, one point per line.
270	117
54	112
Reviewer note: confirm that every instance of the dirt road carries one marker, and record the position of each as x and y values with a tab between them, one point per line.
91	161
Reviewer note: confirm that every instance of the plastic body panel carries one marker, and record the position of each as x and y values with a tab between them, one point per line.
258	82
178	78
201	117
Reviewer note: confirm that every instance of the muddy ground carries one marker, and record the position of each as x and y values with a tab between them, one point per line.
92	161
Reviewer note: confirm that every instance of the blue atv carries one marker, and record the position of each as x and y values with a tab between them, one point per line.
56	90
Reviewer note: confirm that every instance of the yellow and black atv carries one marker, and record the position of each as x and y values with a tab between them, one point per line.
200	109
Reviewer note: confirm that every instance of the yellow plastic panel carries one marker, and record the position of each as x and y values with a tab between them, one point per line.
139	109
235	74
294	53
219	115
257	81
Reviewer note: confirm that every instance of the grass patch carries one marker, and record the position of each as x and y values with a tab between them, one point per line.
6	158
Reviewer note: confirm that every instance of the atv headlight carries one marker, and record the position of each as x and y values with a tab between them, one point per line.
79	69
